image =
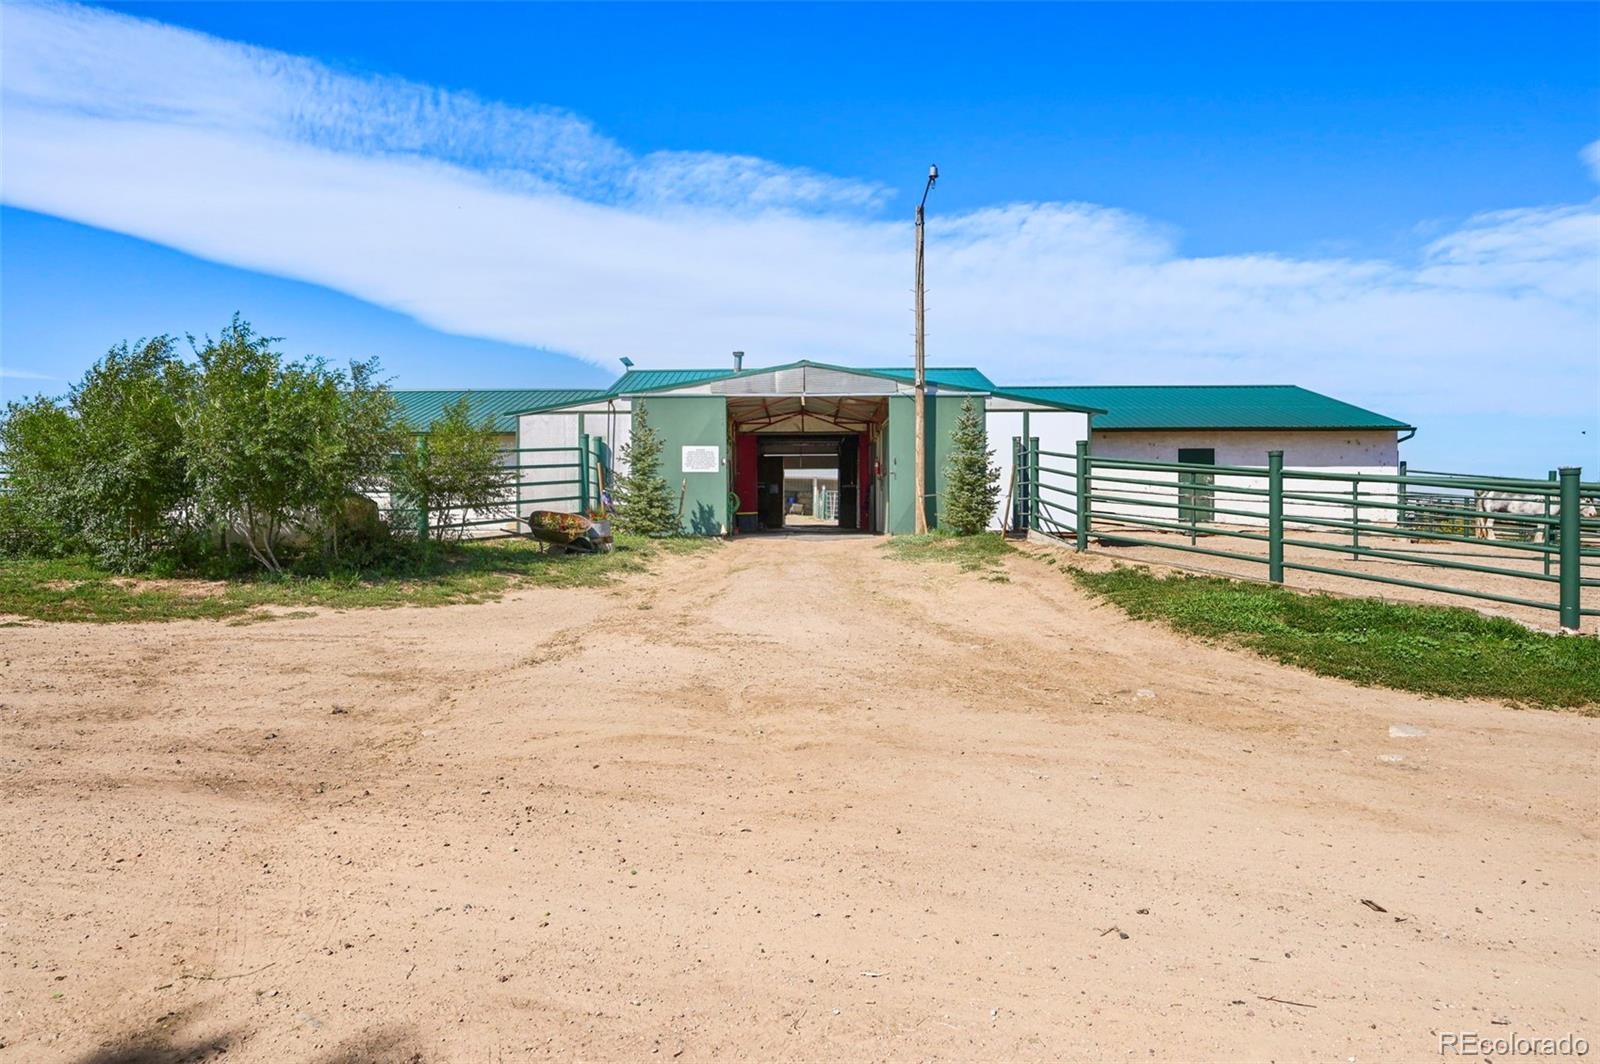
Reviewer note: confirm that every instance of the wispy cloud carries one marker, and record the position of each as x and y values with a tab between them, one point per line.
531	226
10	374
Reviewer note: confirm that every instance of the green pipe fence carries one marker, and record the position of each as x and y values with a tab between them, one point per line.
1081	457
1541	557
532	483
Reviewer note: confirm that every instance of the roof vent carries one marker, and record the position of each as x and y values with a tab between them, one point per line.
738	361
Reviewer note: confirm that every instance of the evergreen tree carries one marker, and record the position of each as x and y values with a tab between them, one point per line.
972	480
645	505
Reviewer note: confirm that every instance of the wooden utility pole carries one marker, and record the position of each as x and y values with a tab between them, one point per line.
922	375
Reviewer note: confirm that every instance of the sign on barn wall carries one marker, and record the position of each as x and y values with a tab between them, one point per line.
701	460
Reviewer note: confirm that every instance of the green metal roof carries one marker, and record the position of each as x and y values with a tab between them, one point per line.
652	380
961	378
419	409
1155	406
1212	406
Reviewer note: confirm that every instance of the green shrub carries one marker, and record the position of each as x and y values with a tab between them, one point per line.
129	477
275	448
153	462
102	471
456	472
38	448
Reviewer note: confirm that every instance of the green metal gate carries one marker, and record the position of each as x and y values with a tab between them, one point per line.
1543	543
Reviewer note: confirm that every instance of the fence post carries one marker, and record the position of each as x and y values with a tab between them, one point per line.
1571	547
1017	496
422	501
1021	457
1400	511
1033	481
1082	485
583	473
1355	518
1552	475
1275	516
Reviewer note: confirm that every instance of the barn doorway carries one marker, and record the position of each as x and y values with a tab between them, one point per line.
802	482
807	464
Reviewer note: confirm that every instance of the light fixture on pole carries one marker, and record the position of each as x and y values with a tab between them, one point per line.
922	377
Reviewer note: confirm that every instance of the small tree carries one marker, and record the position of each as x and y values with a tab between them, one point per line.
273	446
104	469
38	449
972	480
456	469
356	459
130	485
645	505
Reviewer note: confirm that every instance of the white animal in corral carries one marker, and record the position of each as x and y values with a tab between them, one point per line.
1514	505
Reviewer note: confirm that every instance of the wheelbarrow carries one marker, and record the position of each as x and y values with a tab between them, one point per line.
571	533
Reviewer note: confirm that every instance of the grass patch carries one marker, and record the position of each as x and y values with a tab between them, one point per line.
76	589
1434	650
982	553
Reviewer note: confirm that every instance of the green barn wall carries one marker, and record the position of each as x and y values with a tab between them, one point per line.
942	411
687	421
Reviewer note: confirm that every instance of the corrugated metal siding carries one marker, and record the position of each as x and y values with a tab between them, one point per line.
823	381
749	384
1206	406
419	409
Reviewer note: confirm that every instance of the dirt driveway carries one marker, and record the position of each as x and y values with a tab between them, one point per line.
789	799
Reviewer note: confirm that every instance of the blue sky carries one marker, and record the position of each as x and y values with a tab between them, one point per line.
1391	203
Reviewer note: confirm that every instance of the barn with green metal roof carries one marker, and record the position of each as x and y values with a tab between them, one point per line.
783	446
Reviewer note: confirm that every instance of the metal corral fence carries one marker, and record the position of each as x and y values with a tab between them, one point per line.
1528	543
568	479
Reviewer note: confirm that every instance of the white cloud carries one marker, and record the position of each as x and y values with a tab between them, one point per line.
1591	158
530	226
10	374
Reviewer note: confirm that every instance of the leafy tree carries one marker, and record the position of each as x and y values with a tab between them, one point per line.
456	473
645	505
972	480
38	449
104	469
356	459
130	484
275	446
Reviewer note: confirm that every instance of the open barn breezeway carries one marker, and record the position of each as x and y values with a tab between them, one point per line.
788	798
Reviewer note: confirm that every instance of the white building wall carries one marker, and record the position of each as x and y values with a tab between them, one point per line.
609	423
614	425
1371	451
1322	451
1057	431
